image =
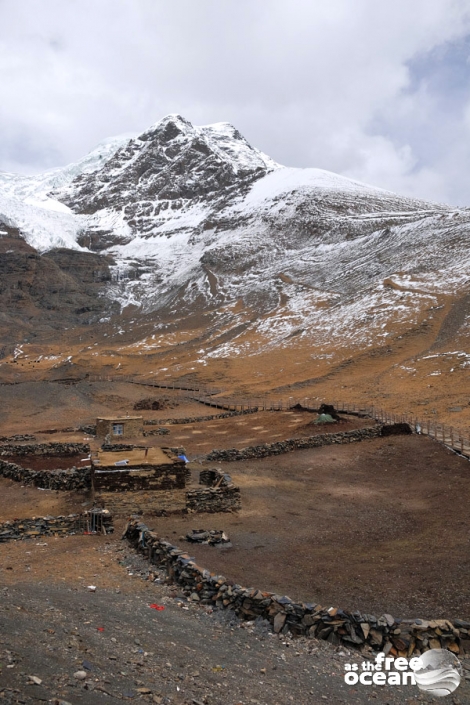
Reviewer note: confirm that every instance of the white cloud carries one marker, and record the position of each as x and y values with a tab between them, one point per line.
312	84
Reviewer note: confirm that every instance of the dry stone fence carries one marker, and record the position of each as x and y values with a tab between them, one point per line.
66	480
266	449
69	478
395	636
218	495
56	449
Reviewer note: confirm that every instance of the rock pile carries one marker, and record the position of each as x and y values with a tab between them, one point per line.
211	537
94	521
396	637
70	479
266	449
215	478
155	404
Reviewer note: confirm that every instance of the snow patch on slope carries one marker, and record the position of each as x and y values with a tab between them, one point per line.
42	228
45	222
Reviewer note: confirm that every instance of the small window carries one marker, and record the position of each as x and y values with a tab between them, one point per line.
118	429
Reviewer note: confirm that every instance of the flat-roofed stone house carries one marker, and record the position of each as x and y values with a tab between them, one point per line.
149	480
118	427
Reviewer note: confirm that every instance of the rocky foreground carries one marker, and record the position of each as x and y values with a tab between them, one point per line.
65	643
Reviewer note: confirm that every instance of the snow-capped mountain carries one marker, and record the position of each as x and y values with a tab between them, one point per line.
195	219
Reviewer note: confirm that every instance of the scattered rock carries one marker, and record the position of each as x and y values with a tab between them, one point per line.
210	537
80	675
35	680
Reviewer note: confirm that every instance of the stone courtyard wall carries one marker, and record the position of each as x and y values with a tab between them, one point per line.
54	449
266	449
69	479
394	636
213	499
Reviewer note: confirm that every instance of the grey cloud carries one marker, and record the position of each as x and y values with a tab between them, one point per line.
339	85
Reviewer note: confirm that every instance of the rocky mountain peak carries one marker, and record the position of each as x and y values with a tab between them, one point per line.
195	221
170	161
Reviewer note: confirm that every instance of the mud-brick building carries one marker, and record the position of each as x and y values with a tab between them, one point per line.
117	427
149	480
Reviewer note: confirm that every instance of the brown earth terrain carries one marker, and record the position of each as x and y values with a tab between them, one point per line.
381	526
422	369
53	627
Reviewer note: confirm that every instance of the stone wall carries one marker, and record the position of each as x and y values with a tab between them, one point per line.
157	432
209	477
93	521
291	444
148	477
195	419
394	636
54	449
17	438
148	503
89	429
214	477
213	499
116	447
70	479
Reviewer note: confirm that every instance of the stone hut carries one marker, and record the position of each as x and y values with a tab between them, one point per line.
117	427
148	480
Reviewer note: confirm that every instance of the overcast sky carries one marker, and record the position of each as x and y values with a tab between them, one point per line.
378	90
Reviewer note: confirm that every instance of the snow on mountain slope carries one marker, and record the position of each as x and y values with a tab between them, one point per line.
45	222
197	220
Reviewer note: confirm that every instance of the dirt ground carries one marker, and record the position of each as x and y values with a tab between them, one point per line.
380	526
18	502
52	626
40	405
42	462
